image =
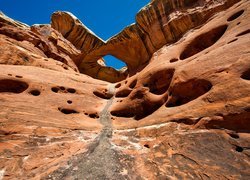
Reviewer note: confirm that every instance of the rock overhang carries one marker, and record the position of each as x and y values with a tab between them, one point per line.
157	24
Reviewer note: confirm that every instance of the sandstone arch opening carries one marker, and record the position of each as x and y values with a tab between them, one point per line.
114	62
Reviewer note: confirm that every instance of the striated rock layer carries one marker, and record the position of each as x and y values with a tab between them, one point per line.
180	111
159	23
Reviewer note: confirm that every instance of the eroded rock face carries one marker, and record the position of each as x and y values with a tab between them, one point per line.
183	115
186	114
157	24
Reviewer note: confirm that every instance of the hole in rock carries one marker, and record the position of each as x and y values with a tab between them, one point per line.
133	84
35	92
9	74
243	33
55	89
146	146
235	15
239	149
123	113
113	62
68	111
141	106
146	109
19	76
203	41
71	90
246	75
118	85
173	60
232	41
185	92
93	115
159	82
123	93
69	102
234	135
12	86
62	88
102	95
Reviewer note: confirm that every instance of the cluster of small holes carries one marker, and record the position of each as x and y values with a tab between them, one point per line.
63	89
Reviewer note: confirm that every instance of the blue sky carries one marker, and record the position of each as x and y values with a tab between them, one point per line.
104	17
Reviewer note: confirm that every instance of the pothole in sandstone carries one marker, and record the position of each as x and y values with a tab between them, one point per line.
159	82
143	103
246	75
235	15
68	111
243	33
184	92
104	94
35	92
12	86
203	42
122	93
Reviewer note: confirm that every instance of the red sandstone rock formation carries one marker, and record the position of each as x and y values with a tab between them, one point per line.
181	111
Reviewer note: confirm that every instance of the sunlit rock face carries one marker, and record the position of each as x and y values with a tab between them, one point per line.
180	110
157	24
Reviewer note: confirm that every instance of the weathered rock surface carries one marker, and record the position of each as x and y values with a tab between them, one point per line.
159	23
183	112
86	41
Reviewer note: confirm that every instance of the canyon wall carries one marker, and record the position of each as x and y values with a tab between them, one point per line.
181	109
